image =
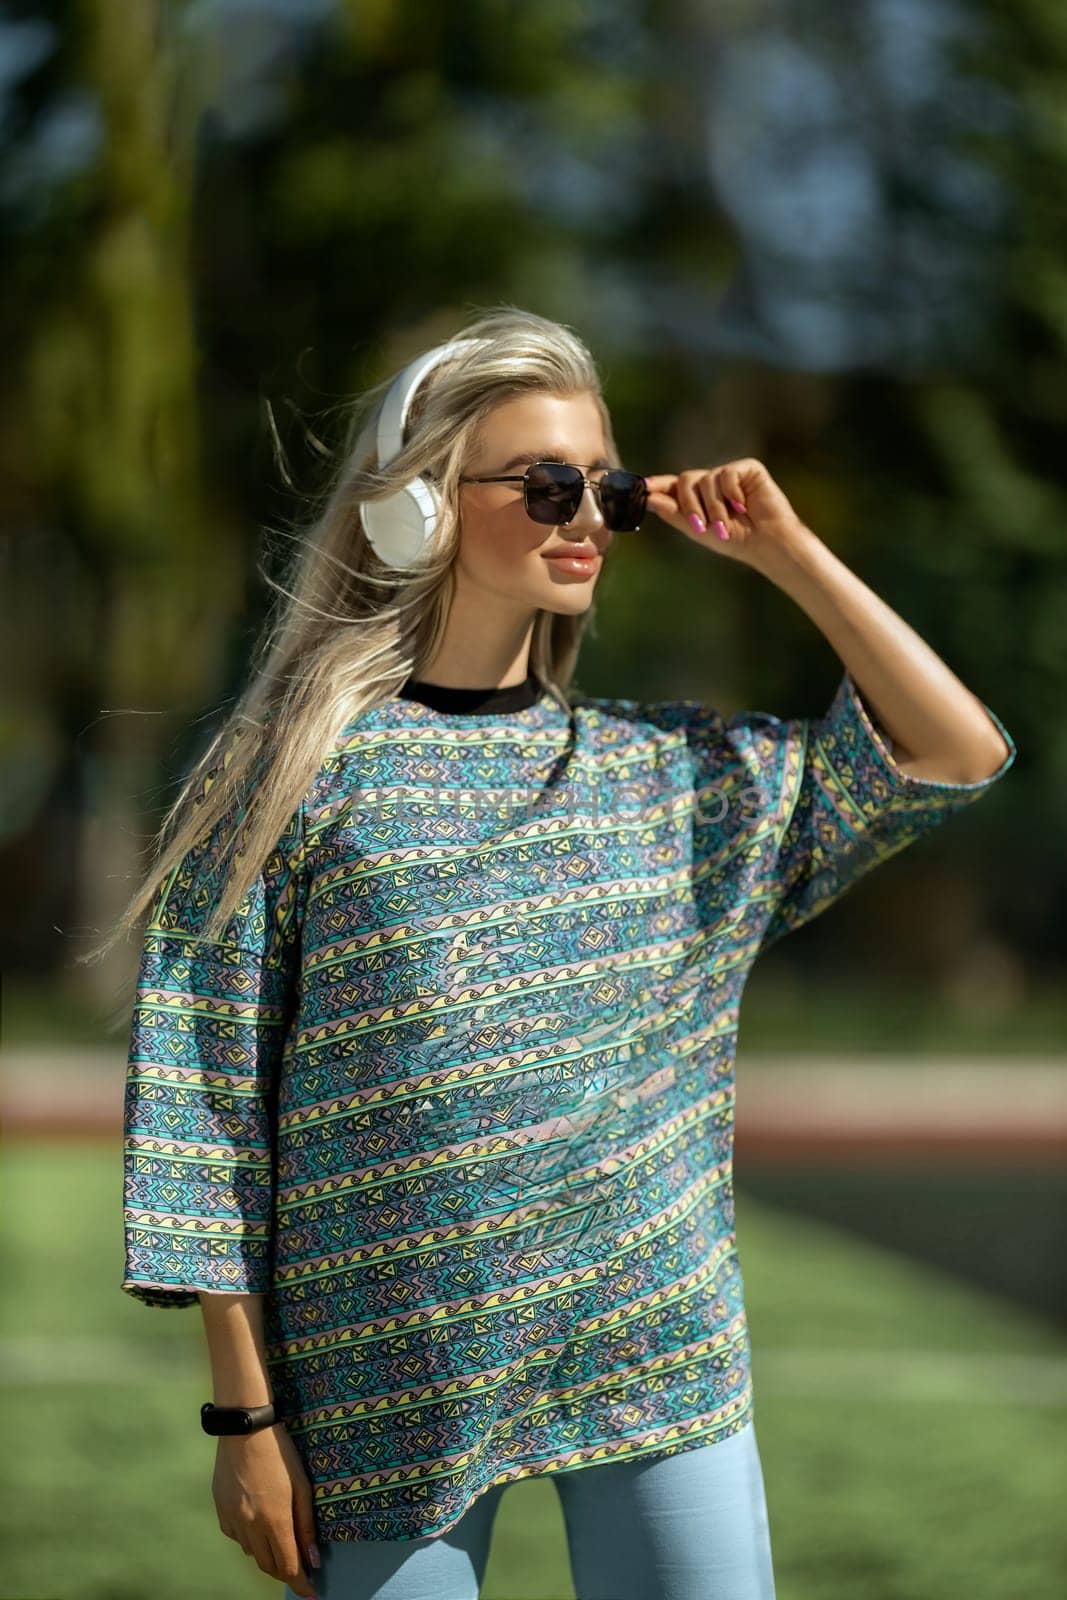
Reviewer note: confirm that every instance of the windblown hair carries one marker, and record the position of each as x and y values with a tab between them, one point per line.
345	629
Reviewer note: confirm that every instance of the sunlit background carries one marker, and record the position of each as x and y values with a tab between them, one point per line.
833	237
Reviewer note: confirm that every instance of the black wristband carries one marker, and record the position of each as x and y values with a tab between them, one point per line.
224	1420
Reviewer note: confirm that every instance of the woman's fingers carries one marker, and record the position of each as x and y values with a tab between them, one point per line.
709	504
732	492
713	509
288	1560
735	508
260	1549
697	501
673	497
696	496
702	505
304	1519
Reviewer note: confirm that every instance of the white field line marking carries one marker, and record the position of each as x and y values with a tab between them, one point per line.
895	1374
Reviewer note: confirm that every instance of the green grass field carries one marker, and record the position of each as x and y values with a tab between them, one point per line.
911	1429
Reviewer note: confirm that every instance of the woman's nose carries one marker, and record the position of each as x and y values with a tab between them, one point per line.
591	504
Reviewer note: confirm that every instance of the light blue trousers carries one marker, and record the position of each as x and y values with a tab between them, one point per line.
691	1526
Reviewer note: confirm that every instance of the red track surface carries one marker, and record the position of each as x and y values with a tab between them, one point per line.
799	1109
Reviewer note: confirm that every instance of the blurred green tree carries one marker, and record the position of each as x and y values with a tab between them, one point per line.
272	207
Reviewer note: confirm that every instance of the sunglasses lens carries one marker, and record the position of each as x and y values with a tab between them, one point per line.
623	500
553	492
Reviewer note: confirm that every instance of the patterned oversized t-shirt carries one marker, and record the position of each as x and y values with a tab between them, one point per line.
456	1090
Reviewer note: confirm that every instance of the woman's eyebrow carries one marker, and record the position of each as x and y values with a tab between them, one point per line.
524	458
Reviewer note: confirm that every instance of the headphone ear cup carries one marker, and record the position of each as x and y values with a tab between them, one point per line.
399	528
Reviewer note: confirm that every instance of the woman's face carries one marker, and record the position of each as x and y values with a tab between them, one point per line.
502	552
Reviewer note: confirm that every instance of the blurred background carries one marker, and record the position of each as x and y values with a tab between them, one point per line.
831	237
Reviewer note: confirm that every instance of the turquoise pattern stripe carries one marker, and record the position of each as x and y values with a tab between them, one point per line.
455	1091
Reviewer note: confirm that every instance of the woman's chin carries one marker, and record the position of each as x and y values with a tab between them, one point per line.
570	599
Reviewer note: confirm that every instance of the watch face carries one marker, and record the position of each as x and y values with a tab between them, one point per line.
231	1420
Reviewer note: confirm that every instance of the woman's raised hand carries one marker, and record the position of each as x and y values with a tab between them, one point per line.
263	1499
739	499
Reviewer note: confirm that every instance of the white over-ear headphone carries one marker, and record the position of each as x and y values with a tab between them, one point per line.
402	525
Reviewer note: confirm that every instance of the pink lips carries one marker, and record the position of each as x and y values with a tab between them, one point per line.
579	559
581	566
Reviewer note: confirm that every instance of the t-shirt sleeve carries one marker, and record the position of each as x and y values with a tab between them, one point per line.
843	804
207	1031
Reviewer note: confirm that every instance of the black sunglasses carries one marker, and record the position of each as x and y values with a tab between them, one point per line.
552	492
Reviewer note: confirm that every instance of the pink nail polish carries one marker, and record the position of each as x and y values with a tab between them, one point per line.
735	505
697	522
722	530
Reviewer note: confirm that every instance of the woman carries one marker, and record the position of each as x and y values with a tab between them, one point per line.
430	1091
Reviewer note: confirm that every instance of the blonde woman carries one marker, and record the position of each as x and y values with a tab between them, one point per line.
430	1092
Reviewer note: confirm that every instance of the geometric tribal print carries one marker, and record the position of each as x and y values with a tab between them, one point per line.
455	1092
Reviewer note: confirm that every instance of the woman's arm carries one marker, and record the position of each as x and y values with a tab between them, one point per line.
233	1324
939	728
262	1493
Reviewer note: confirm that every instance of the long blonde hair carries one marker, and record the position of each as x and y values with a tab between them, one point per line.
346	630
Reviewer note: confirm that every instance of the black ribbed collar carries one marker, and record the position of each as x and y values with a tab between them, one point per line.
443	697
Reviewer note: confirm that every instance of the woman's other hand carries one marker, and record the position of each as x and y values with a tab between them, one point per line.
739	499
263	1499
